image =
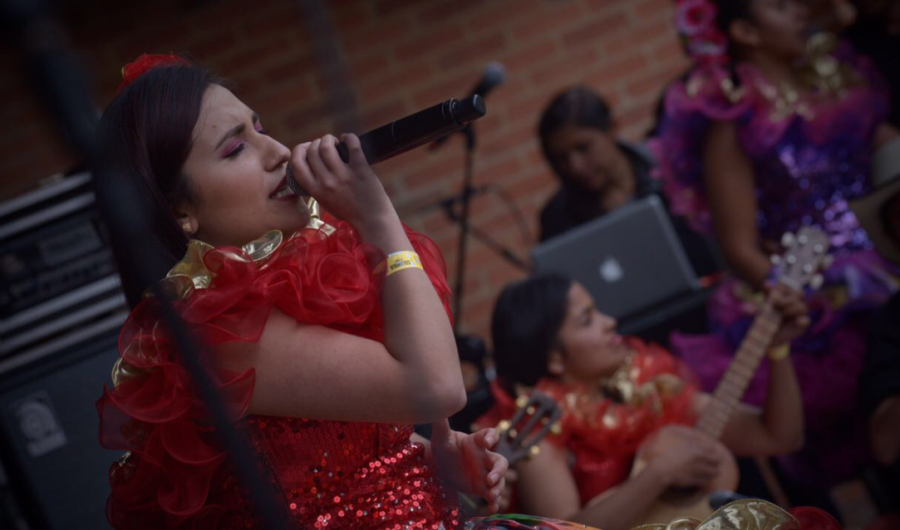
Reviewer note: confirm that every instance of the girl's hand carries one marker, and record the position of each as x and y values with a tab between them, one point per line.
682	456
794	313
466	462
352	191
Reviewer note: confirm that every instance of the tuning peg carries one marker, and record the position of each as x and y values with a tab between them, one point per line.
534	451
775	259
816	281
802	239
521	401
791	259
556	428
788	239
819	248
530	410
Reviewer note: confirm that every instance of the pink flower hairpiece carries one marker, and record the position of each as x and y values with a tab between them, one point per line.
145	62
695	21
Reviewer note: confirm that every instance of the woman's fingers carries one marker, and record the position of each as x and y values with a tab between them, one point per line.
301	170
357	157
317	165
497	467
331	158
495	493
486	438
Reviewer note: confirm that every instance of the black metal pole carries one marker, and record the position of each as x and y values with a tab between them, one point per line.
63	89
468	175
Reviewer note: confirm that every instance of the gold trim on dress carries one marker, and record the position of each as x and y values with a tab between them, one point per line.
315	218
623	386
745	514
191	273
820	73
260	249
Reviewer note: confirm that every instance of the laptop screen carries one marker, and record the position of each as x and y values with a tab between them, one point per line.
629	260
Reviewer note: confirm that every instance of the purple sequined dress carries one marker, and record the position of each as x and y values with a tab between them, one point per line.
810	157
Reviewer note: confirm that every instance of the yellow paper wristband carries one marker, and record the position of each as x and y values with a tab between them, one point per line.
780	352
406	259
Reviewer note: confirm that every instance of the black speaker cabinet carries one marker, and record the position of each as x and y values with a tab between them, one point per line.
56	470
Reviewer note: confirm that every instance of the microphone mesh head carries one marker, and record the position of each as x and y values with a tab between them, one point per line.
494	74
291	182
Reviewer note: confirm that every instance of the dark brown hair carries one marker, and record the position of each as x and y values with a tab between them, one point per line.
579	106
525	327
729	11
146	135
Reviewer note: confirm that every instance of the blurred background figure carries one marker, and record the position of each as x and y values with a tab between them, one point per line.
773	131
875	33
879	213
618	396
598	172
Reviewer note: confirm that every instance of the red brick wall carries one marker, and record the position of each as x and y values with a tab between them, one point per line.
402	55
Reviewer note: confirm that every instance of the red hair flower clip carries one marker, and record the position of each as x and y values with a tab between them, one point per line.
695	21
136	68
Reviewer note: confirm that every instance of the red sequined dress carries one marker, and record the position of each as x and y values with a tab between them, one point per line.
330	474
652	389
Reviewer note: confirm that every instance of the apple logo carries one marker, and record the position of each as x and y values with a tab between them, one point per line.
611	271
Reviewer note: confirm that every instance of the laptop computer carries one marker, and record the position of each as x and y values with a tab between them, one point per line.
629	260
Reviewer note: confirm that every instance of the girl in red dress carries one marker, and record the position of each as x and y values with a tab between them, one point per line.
327	341
616	394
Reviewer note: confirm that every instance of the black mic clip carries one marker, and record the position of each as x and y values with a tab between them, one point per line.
493	76
448	204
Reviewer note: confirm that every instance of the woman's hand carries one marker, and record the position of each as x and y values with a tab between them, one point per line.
682	456
466	462
791	304
506	494
352	191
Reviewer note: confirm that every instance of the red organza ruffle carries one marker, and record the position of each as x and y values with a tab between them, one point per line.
174	475
815	519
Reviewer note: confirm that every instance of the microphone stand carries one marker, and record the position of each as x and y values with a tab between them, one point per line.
466	228
466	194
481	235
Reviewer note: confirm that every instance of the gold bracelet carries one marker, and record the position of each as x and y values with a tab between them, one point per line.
779	353
405	259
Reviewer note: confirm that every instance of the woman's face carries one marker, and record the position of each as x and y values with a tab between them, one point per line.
780	27
589	346
583	156
237	175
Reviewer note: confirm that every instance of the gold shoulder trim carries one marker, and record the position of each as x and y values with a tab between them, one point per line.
745	514
315	218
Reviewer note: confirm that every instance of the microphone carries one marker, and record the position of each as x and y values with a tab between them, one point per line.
493	76
410	132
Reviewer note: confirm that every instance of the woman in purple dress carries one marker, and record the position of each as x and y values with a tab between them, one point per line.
772	131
